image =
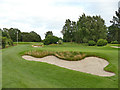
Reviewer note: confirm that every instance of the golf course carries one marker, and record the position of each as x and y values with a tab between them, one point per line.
59	44
20	73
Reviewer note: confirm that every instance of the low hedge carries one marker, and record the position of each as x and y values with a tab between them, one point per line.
114	42
91	43
102	42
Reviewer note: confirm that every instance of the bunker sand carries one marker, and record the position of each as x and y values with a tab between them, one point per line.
115	46
92	65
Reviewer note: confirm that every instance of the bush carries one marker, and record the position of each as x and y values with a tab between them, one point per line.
10	42
85	40
114	42
50	40
91	43
102	42
3	42
60	42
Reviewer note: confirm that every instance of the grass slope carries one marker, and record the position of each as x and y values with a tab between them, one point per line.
20	73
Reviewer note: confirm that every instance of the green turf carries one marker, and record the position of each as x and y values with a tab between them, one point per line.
115	45
20	73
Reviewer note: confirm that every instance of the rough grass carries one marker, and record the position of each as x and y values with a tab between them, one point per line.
66	55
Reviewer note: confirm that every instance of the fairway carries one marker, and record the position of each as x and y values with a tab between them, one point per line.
20	73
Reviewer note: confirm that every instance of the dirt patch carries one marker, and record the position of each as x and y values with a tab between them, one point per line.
37	45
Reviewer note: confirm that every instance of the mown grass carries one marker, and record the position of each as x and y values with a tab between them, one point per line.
20	73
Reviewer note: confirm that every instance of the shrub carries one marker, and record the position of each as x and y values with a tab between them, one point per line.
114	42
101	42
85	40
91	43
10	42
50	40
60	42
3	42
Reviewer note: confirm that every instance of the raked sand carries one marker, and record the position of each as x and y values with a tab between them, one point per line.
115	46
92	65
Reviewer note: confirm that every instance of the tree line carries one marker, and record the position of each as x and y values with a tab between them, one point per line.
8	36
91	28
22	36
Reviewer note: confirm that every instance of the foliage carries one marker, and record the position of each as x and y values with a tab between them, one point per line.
30	37
3	42
60	42
85	29
48	33
91	43
101	42
10	42
50	40
114	29
114	42
13	32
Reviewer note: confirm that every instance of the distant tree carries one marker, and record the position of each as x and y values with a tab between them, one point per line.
114	29
48	33
35	37
85	29
68	31
30	37
25	37
5	33
50	40
6	39
13	34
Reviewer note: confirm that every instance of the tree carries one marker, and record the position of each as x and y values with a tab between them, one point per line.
68	31
6	39
48	33
35	37
85	29
13	34
26	37
30	37
50	40
114	29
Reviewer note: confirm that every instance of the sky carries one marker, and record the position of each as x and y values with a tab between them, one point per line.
50	15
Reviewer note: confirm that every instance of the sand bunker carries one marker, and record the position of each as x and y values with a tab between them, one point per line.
92	65
36	45
115	46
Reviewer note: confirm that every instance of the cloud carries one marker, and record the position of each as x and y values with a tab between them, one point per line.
43	15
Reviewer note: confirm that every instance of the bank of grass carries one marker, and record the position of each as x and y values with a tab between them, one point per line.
20	73
35	43
115	45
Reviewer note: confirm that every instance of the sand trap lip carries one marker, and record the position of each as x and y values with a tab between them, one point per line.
92	65
115	46
36	46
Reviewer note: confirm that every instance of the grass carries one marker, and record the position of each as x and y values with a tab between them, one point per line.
20	73
115	45
66	55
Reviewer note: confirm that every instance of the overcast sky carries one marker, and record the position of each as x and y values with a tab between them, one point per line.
50	15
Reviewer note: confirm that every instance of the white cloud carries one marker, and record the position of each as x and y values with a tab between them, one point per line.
44	15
